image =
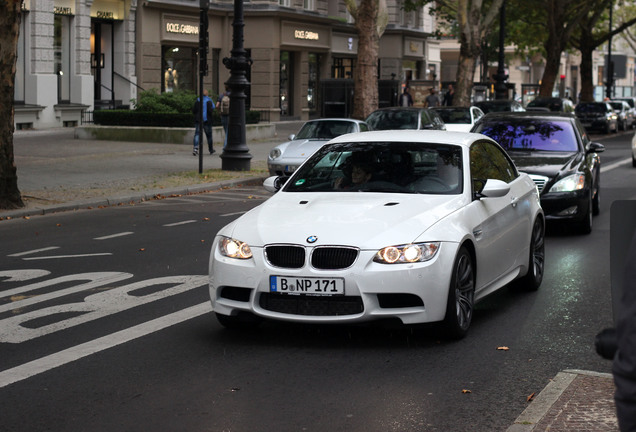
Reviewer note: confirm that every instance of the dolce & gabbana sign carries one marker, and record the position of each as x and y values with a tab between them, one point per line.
179	28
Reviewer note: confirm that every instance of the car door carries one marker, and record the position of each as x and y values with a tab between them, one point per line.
501	230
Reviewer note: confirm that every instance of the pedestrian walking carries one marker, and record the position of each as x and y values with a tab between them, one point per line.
223	104
406	100
208	108
448	96
432	100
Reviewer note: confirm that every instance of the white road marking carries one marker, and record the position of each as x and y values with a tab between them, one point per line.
121	234
16	329
69	355
94	280
615	165
67	256
180	223
232	214
34	251
22	275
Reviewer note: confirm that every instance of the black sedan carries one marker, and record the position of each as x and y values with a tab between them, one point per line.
554	149
405	118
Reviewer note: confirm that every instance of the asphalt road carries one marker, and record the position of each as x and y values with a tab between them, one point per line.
105	325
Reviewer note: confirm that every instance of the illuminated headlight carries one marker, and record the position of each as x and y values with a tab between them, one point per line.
410	253
569	183
275	153
234	248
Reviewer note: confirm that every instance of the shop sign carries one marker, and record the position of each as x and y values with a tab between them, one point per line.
180	28
109	10
64	7
306	35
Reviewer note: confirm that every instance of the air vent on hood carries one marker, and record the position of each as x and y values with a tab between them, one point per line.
391	204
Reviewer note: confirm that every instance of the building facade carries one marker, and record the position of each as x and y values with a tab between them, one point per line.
80	55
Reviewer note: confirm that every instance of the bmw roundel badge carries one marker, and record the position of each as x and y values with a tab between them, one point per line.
312	239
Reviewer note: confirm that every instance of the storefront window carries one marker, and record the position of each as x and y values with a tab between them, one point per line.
312	85
286	85
179	69
62	50
342	67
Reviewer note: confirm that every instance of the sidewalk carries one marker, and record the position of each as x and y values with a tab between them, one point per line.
74	171
574	401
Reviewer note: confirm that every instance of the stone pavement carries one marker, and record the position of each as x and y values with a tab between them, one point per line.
54	161
575	400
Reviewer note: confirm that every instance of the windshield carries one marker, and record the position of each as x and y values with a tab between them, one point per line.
617	105
543	135
418	168
326	129
595	108
393	119
454	115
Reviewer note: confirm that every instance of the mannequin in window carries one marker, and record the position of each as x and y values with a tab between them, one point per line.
171	79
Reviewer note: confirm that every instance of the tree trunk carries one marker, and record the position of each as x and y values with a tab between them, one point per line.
365	84
552	64
465	74
9	27
587	79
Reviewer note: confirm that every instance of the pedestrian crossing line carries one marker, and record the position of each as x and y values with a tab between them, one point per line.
34	251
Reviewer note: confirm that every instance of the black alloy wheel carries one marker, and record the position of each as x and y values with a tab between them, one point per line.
461	296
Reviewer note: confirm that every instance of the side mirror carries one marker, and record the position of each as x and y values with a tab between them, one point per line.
595	147
292	136
274	183
494	189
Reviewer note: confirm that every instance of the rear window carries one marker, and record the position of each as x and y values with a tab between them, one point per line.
596	108
532	135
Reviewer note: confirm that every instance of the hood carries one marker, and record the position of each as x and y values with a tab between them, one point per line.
303	148
547	164
364	220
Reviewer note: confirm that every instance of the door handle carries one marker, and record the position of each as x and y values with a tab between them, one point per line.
514	201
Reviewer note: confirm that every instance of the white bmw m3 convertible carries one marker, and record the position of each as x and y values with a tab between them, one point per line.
408	225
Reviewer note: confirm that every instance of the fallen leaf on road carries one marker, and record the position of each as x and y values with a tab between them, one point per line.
503	348
142	249
466	391
26	217
206	219
529	399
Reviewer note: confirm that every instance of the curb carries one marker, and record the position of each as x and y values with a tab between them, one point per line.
542	404
149	195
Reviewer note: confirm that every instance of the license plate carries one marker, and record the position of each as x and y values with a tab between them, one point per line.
306	285
290	168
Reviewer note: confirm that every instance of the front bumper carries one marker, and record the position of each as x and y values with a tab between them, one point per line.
412	293
566	205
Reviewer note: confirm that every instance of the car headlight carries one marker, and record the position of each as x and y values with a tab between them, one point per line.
570	183
410	253
233	248
275	153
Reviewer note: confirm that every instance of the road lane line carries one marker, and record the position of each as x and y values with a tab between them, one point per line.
121	234
232	214
180	223
69	355
67	256
615	165
34	251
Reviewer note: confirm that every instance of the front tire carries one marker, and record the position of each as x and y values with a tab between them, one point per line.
461	296
536	265
585	226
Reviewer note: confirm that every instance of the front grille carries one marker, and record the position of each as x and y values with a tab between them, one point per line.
285	256
540	181
311	305
333	258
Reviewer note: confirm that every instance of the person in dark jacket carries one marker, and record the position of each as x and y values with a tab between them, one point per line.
624	366
208	108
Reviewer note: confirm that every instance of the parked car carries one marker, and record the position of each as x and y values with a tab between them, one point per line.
631	101
634	151
429	231
499	105
459	119
597	116
555	150
285	158
551	104
405	118
624	114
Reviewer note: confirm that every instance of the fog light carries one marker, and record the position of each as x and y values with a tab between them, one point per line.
570	211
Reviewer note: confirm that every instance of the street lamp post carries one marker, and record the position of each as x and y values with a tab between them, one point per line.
501	91
203	70
610	65
236	156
